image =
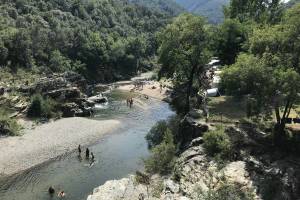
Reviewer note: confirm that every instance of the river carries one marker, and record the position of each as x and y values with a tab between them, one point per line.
117	155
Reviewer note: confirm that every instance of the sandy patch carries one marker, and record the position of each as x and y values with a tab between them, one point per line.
151	89
48	141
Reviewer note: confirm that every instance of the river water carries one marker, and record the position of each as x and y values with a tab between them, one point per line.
117	155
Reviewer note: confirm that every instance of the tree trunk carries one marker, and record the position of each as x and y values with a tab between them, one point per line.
277	112
279	132
189	89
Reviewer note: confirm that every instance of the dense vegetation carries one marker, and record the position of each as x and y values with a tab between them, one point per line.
259	43
268	71
104	39
164	5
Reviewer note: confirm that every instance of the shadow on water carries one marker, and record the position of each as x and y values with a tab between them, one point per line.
117	155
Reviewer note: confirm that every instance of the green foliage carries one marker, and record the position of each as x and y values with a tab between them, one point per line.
229	39
59	63
183	44
229	191
166	5
261	11
42	107
183	52
156	134
8	126
95	38
217	143
157	189
162	156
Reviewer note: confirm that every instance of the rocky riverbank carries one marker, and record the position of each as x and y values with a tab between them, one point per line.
252	172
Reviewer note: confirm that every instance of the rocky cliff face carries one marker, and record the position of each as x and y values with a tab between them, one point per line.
253	171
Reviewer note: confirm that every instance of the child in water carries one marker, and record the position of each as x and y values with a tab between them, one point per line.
61	194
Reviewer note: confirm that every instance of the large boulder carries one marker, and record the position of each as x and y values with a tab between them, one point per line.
71	110
64	93
101	88
76	79
98	99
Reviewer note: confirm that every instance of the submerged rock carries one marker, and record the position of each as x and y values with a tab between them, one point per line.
98	99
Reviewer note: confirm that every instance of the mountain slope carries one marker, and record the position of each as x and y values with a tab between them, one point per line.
102	39
212	9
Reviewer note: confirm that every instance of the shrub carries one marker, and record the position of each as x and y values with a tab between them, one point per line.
217	143
8	126
162	158
156	134
228	192
40	107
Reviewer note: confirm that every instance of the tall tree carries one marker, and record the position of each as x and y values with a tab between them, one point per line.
229	40
183	51
270	73
261	11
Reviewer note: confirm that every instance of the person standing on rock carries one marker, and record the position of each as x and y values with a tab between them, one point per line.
87	153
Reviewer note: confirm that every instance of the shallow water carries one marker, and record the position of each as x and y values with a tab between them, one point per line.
117	155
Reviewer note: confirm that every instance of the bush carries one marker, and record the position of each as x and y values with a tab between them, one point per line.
217	143
162	159
40	107
156	134
8	126
228	192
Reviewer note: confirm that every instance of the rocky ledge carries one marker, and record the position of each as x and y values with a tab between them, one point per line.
255	171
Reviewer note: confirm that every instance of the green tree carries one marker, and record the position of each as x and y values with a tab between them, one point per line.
261	11
183	51
59	63
230	38
272	87
162	156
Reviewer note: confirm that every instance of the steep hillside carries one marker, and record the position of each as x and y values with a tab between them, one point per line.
212	9
102	39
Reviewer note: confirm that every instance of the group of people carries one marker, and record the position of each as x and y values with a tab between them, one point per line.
89	156
129	102
60	194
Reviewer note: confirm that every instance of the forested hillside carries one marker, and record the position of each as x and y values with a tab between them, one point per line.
168	6
103	39
212	9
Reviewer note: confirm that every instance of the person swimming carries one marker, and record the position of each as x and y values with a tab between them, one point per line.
93	157
61	194
51	190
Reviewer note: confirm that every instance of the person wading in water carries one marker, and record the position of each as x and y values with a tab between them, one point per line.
79	150
131	102
87	153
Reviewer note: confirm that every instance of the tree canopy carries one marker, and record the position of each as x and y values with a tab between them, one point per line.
183	51
95	37
269	71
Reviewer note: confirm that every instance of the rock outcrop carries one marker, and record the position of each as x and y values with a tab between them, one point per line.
252	170
190	129
68	89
